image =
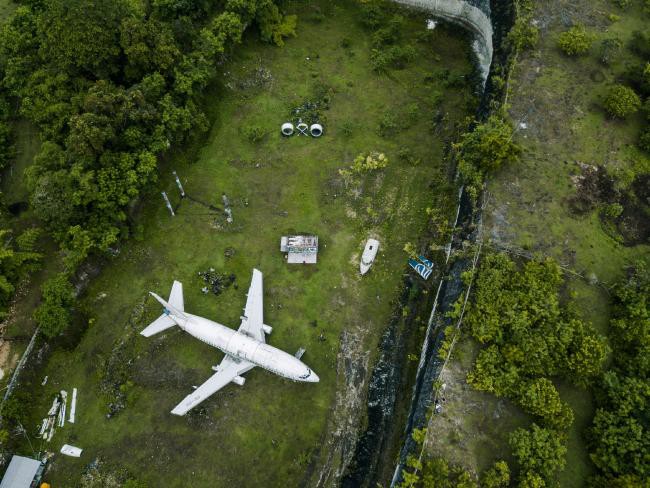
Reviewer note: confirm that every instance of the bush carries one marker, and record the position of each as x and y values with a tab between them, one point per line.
53	314
575	41
523	35
609	49
254	133
644	140
388	125
621	101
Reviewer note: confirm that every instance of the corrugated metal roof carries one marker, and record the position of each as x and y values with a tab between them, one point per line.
20	473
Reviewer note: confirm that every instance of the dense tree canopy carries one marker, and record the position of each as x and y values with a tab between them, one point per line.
620	434
530	336
16	260
113	84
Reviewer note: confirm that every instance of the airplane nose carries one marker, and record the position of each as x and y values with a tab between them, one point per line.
313	378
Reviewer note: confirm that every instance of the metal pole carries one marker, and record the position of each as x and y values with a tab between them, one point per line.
168	203
178	182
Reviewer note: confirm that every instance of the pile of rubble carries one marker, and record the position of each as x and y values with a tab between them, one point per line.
216	282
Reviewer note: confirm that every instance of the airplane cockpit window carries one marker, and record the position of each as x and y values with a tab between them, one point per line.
305	376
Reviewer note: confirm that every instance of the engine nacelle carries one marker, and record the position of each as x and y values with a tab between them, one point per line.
238	380
267	329
216	368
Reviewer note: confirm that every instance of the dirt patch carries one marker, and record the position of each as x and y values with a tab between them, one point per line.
593	188
472	427
342	430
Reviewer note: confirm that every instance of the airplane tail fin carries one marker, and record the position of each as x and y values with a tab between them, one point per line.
174	305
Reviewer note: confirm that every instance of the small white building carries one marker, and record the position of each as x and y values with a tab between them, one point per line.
300	249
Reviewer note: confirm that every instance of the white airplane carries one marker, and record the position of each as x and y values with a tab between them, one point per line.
244	348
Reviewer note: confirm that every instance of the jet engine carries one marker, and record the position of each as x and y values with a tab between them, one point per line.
267	329
238	380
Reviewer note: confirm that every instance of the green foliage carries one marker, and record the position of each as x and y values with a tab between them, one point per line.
540	398
644	140
530	336
575	41
15	264
609	50
112	85
497	476
621	101
255	133
485	149
13	409
623	4
619	436
539	452
435	473
7	151
524	34
53	314
371	161
133	483
613	210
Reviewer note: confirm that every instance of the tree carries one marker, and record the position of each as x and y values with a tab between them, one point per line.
540	397
484	149
53	314
81	36
575	41
497	476
621	101
539	451
15	263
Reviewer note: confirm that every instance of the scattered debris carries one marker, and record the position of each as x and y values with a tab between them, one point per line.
69	450
64	406
73	406
215	281
168	203
229	252
424	268
55	416
431	24
226	208
44	382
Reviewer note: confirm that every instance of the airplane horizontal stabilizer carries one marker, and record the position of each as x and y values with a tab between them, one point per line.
161	323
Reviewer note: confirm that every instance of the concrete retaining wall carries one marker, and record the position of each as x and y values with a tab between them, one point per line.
473	15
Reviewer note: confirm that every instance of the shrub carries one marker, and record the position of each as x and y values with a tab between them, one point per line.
523	35
388	125
609	49
621	101
644	140
369	162
613	210
575	41
254	133
623	4
53	315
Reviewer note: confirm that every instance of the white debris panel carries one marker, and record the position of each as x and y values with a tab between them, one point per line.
73	406
69	450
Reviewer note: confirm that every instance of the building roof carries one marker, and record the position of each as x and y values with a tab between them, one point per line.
300	249
20	473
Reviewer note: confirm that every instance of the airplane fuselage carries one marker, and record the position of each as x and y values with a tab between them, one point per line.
241	346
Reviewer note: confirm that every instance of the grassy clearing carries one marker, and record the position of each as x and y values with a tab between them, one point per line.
276	186
7	7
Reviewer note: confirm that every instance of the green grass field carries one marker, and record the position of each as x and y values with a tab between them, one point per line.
268	432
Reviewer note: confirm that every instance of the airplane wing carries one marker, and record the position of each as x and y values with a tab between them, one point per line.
253	320
228	370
